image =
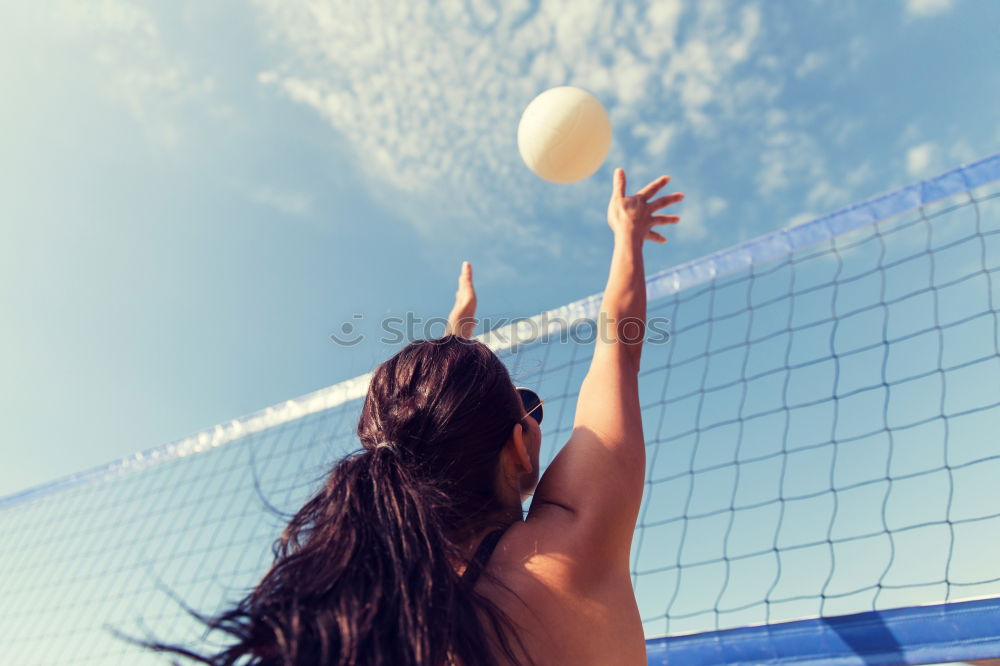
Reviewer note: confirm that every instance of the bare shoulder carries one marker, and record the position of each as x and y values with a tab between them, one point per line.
568	614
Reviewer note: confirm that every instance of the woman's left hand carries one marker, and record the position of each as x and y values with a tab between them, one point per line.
462	320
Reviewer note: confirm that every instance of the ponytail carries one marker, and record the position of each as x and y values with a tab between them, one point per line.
364	574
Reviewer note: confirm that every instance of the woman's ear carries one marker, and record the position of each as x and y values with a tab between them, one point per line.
519	450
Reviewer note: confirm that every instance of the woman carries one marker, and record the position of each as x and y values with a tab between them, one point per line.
415	551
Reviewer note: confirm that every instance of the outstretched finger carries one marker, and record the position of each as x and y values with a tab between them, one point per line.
619	182
465	275
656	237
663	202
466	292
665	219
650	190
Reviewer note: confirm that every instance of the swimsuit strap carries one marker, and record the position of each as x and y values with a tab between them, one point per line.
478	563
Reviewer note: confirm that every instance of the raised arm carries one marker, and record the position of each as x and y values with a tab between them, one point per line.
598	476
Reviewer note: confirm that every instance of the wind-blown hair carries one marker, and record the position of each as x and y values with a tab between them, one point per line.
365	572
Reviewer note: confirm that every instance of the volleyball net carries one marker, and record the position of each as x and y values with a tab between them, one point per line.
820	407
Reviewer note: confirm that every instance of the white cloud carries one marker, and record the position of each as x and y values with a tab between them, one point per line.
790	156
659	29
631	77
696	218
801	218
136	69
794	161
960	152
825	194
656	138
923	8
739	44
794	167
703	67
918	159
860	175
429	95
812	62
715	205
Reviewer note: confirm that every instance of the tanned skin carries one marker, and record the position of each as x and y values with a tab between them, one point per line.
567	563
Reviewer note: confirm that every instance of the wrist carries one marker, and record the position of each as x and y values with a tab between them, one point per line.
628	240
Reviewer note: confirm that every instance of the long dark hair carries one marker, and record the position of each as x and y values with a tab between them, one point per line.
365	573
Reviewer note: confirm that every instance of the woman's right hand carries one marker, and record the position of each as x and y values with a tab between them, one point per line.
632	216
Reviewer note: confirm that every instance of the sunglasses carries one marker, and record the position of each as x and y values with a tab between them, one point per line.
532	404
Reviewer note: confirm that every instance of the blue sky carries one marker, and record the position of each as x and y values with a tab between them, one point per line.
194	196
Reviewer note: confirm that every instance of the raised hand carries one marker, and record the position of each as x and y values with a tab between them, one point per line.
633	216
462	320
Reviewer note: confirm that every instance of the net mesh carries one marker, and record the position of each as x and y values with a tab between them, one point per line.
820	431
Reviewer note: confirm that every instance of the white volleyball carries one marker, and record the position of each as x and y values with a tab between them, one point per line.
564	135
